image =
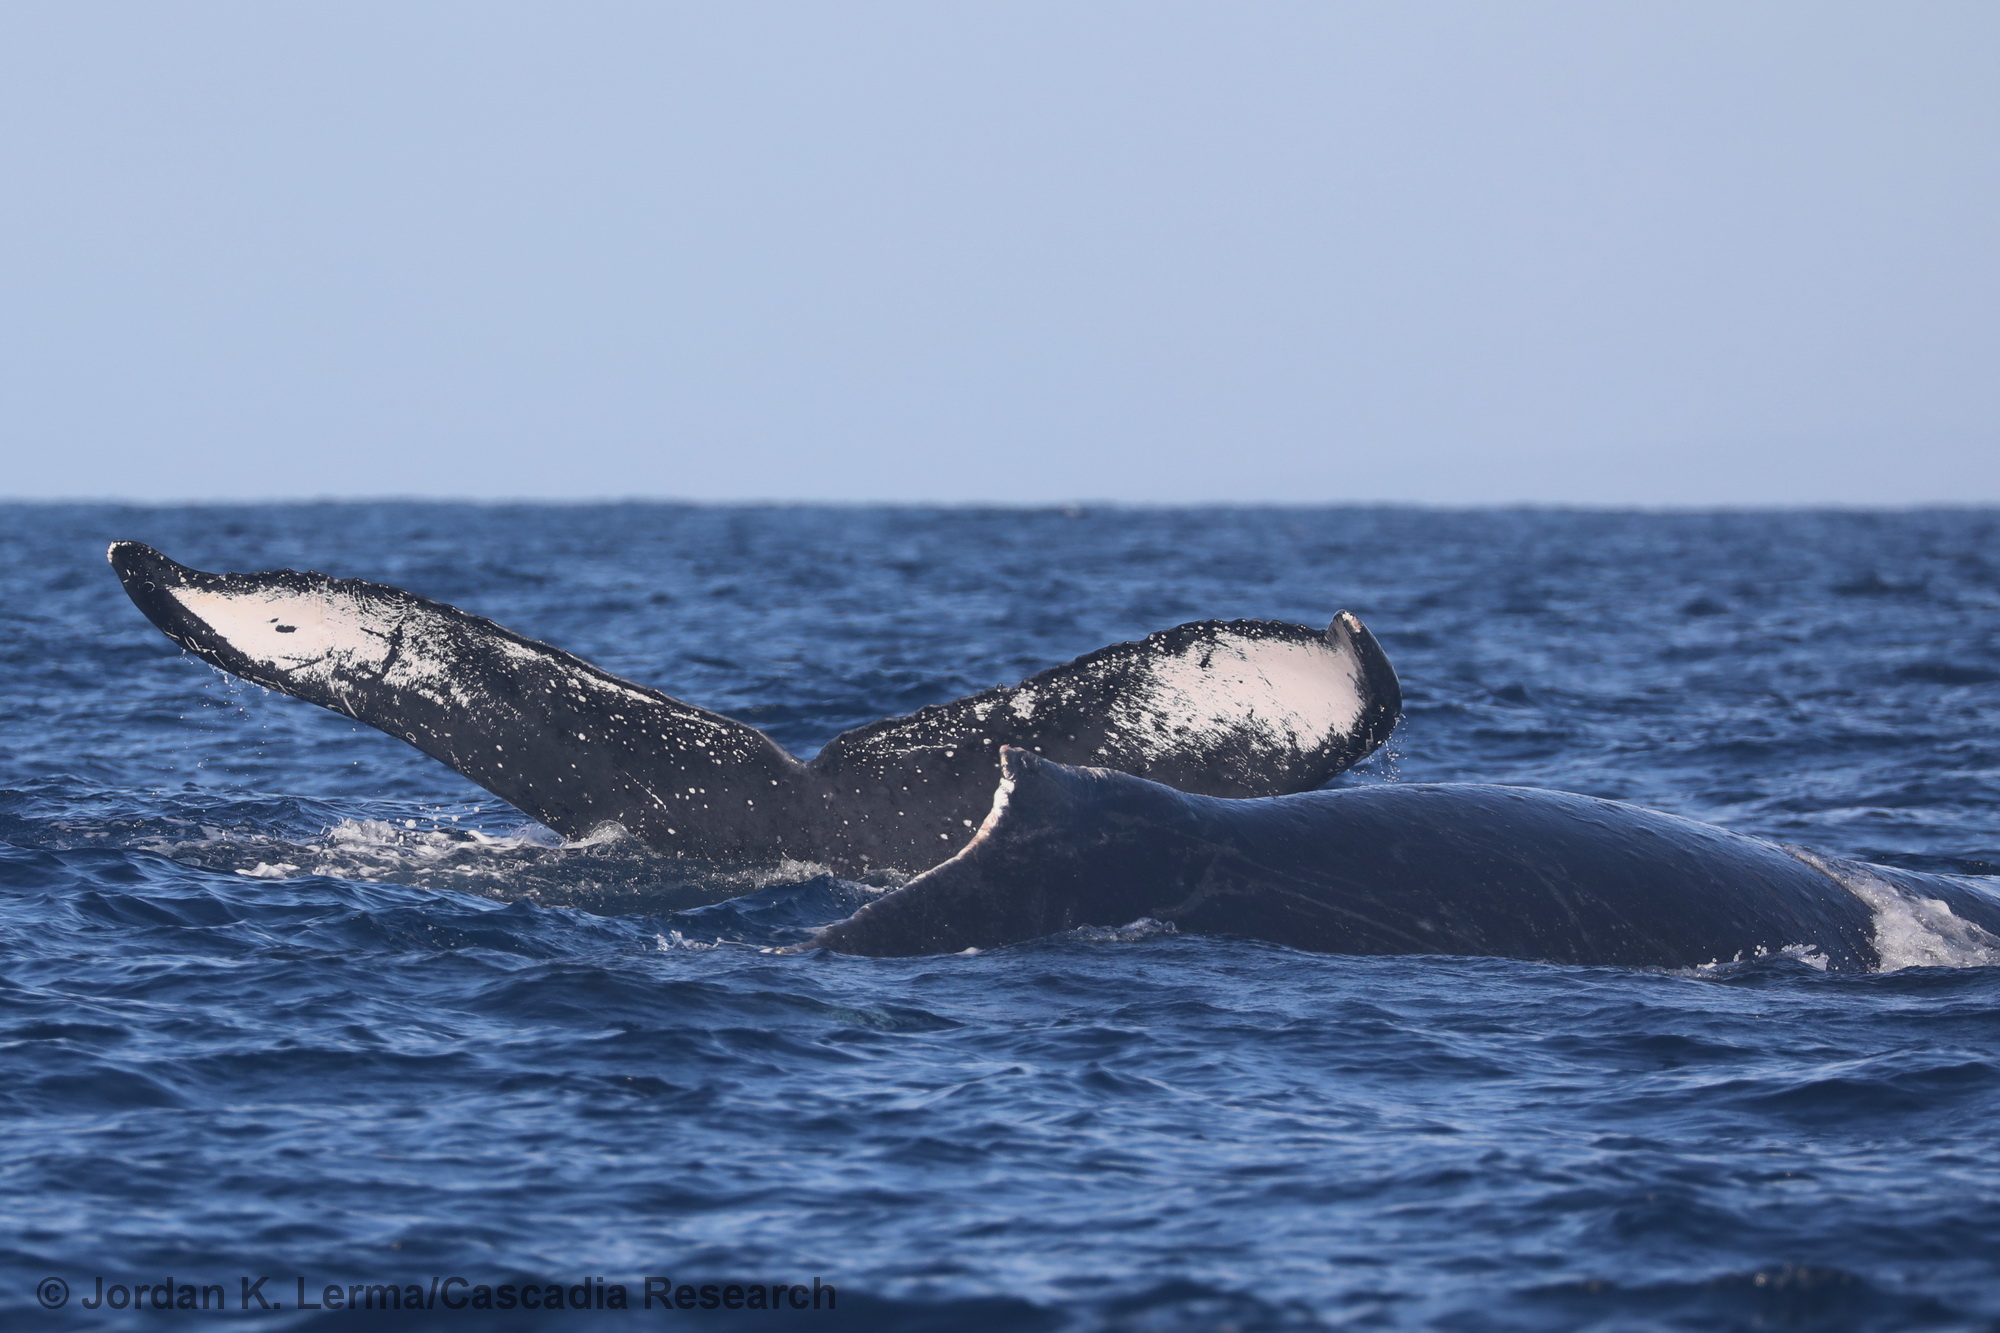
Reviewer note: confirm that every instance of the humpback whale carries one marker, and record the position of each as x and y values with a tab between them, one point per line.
1238	709
1465	869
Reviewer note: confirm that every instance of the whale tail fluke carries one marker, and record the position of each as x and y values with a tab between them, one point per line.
572	745
1236	708
1220	708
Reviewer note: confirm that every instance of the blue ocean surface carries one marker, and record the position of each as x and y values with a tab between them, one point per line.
282	998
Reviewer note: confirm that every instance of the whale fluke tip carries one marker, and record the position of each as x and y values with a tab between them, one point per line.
130	557
1383	693
138	561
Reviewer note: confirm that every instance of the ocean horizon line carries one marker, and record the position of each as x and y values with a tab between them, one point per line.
1078	506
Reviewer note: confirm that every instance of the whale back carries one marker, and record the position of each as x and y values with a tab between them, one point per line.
1399	869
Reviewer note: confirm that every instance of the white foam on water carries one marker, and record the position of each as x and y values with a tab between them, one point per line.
1803	953
787	871
1910	930
607	872
674	940
370	849
1145	928
367	849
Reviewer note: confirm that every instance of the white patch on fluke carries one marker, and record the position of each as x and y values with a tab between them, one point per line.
1287	695
312	638
334	637
1910	931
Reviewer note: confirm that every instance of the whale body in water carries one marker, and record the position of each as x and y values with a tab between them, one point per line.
1412	869
1243	708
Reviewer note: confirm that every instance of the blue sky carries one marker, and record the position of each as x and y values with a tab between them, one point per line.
1666	253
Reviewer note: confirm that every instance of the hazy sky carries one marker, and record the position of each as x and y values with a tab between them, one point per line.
1626	253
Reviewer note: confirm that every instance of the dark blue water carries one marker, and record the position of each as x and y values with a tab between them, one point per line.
279	996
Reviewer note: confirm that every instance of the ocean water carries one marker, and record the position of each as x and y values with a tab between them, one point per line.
281	998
